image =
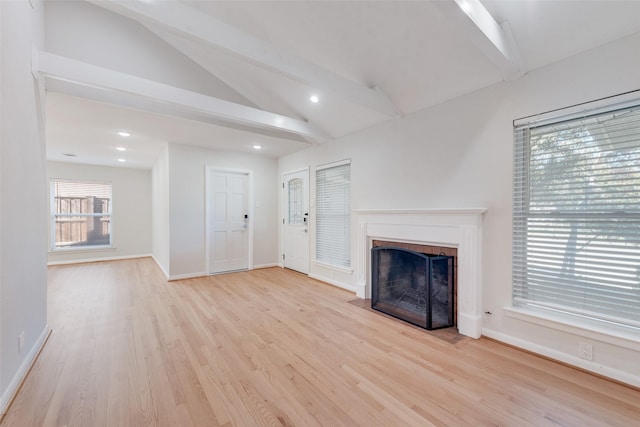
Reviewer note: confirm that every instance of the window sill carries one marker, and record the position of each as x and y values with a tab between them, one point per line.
618	335
78	250
334	267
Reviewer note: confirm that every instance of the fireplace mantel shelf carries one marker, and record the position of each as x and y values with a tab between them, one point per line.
457	227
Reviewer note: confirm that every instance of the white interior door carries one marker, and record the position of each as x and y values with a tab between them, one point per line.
296	221
228	237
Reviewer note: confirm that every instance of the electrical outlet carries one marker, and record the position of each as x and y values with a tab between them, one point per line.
585	351
20	341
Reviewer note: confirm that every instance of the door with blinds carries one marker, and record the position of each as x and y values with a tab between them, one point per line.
296	221
228	221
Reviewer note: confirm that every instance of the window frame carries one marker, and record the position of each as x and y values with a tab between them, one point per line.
345	263
522	213
53	216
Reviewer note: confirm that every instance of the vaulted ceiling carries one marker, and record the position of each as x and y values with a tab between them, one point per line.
233	74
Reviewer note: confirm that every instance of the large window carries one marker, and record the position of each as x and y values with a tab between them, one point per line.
576	214
333	214
80	214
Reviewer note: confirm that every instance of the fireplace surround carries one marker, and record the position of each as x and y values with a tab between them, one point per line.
455	228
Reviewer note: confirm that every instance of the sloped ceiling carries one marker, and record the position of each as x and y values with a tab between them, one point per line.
367	61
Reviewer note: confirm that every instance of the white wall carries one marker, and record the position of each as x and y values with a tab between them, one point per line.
131	220
160	206
459	155
23	241
187	205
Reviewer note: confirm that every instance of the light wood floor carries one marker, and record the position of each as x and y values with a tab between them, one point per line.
272	347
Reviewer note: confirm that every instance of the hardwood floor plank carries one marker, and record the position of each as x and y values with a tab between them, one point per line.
274	348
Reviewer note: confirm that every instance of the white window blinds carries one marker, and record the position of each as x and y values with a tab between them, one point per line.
80	214
333	214
576	215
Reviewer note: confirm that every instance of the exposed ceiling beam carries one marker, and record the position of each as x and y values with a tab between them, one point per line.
198	53
190	22
70	70
251	91
140	103
493	39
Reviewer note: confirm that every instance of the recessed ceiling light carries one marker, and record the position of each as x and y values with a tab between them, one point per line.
124	133
121	149
314	99
69	154
122	160
257	147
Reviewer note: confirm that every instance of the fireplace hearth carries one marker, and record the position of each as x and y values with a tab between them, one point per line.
413	286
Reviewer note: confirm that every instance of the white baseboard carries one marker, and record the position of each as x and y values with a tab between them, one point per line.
269	265
587	365
114	258
23	370
333	282
166	275
203	274
361	290
187	276
469	325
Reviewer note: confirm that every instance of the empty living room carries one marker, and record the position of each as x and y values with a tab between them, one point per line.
319	213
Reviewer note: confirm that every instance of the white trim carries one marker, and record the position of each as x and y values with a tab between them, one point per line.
346	270
71	215
188	276
454	211
81	261
268	265
551	353
166	275
618	335
333	282
589	108
23	370
457	228
296	171
250	208
82	249
332	164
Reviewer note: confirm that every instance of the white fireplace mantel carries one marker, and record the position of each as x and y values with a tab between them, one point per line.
456	228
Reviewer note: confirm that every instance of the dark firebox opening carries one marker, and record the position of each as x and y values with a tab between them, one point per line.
414	287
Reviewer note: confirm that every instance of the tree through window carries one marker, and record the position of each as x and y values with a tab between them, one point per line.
576	223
